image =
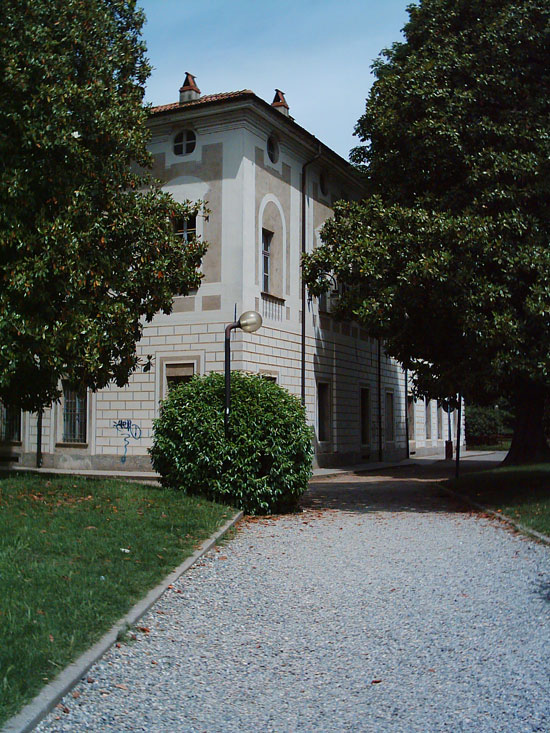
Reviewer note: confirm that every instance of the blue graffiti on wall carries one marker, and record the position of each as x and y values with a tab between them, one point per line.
129	431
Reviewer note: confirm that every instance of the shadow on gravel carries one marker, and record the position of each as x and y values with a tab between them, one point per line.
397	489
543	589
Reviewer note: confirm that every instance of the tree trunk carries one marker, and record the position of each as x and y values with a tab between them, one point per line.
529	444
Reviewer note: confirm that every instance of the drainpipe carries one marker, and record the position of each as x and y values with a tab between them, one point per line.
380	451
407	412
458	426
304	181
39	439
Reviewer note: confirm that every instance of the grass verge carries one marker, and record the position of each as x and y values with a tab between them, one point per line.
75	555
520	492
503	445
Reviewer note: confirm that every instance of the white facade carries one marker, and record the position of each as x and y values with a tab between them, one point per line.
355	395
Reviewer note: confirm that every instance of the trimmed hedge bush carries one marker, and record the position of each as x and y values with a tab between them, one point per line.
263	467
485	424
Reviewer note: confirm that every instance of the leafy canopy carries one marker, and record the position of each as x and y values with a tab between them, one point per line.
447	259
87	251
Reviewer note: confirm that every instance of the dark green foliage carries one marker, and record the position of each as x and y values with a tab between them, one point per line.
87	251
486	424
448	260
265	465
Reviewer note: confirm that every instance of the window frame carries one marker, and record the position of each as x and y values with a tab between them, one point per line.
187	139
267	241
365	419
269	375
164	361
81	411
186	373
188	228
387	421
273	149
324	412
10	425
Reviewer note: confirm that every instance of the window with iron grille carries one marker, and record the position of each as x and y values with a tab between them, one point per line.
10	424
75	413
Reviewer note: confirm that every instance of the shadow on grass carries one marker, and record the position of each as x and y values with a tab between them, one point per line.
520	492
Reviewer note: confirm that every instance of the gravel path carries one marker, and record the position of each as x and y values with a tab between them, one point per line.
382	607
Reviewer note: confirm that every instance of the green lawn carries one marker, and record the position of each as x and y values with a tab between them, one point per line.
521	492
75	555
503	445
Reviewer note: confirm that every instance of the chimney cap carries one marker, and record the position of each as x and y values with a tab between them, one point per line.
189	84
280	101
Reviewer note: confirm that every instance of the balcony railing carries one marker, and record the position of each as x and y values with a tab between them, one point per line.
272	307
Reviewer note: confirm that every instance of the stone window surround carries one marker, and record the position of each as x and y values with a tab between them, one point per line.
195	360
58	423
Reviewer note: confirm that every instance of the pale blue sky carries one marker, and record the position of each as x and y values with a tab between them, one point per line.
318	52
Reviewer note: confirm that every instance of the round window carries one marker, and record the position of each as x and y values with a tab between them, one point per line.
184	142
273	148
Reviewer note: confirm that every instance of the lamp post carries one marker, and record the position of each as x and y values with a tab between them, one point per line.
249	321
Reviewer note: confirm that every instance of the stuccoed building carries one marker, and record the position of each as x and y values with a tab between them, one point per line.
269	185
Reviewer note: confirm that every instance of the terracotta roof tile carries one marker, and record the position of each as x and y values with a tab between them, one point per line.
201	100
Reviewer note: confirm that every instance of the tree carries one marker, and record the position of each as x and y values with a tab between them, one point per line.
448	257
87	248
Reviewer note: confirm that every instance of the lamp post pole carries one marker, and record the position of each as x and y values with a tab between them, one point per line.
249	322
228	330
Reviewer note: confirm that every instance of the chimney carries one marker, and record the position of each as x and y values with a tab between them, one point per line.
189	91
279	102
